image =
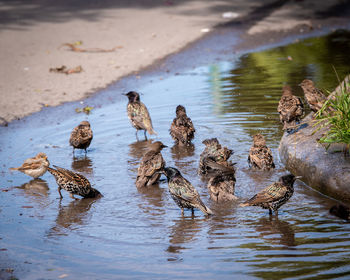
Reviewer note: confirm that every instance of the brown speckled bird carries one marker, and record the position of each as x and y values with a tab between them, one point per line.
216	152
73	183
340	211
138	114
151	164
260	156
182	129
81	136
275	195
290	108
35	166
183	193
222	181
313	96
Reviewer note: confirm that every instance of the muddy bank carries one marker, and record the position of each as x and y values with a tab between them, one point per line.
327	171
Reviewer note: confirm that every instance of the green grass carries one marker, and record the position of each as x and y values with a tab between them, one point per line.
335	114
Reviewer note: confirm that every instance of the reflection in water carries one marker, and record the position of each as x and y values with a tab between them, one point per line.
82	164
136	152
71	216
180	151
37	190
276	231
180	154
261	75
153	199
182	232
138	149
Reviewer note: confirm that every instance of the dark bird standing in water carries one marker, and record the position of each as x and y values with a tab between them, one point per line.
35	166
150	166
214	151
73	183
275	195
290	108
222	181
260	156
183	193
138	114
313	96
341	211
182	129
81	136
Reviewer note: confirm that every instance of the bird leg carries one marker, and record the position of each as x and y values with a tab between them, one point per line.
145	134
137	138
270	211
192	212
72	196
182	211
59	191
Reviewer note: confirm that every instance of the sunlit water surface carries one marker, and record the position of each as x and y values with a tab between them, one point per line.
131	233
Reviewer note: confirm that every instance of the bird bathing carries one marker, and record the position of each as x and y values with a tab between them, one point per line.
139	232
326	171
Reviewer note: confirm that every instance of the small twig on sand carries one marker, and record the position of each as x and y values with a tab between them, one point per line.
92	50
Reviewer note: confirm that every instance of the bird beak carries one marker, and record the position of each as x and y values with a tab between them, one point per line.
299	84
165	146
298	177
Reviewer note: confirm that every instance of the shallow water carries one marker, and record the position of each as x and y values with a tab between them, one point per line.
132	233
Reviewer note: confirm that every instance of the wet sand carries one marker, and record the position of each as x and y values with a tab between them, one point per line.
32	34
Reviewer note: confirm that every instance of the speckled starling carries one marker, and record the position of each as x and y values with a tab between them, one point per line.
183	193
182	129
150	166
81	136
290	108
221	184
138	114
313	96
275	195
35	166
260	156
216	152
73	183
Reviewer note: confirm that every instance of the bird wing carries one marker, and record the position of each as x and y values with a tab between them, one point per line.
183	189
75	177
32	165
271	193
254	157
147	122
218	167
151	163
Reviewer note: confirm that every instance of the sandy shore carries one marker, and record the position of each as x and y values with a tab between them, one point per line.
139	32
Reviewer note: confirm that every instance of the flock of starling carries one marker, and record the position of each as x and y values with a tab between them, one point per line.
214	163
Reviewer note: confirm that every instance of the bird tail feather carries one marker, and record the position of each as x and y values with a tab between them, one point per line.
205	209
151	131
